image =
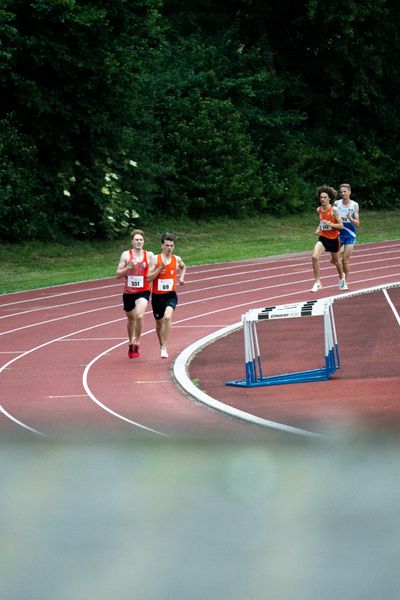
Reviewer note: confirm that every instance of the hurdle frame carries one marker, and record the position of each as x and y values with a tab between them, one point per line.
254	376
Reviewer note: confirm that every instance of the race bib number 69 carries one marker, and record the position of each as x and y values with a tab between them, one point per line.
165	285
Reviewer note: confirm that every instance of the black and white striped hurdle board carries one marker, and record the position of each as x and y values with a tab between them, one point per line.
286	311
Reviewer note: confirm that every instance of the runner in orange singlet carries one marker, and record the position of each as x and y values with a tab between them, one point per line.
134	266
328	231
163	273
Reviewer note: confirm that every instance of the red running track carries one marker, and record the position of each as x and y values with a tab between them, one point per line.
65	366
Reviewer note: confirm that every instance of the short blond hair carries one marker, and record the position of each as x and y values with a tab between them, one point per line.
137	232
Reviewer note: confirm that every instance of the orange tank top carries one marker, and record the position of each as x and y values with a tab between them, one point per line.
166	281
135	280
326	230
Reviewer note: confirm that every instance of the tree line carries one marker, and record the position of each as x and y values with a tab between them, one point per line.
118	112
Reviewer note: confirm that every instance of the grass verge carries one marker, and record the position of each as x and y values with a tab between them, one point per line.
30	265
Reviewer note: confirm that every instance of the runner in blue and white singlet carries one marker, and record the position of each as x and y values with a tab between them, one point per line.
348	234
349	212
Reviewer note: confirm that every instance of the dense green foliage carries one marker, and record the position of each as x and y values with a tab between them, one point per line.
115	112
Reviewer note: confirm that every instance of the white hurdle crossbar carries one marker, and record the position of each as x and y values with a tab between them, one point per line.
253	364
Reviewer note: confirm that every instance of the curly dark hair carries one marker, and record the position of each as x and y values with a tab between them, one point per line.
327	189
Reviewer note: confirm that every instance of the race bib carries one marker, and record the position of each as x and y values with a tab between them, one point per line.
135	281
165	285
324	226
345	217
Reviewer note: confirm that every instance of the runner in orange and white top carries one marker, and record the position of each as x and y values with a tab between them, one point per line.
328	231
134	266
164	269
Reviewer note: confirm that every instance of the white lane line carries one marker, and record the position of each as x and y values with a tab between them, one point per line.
120	319
59	294
265	266
20	423
155	381
13	360
392	306
70	316
69	396
54	306
104	406
224	309
206	326
206	299
96	339
360	250
6	365
180	372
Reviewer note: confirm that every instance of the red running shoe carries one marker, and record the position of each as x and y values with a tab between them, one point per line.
130	351
135	351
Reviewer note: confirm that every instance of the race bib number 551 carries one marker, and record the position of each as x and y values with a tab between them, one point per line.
135	281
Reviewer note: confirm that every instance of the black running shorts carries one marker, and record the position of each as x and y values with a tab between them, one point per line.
159	303
329	244
129	300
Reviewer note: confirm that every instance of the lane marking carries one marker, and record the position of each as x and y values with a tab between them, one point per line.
180	372
95	339
360	251
205	299
324	267
155	381
123	318
104	406
26	353
20	423
69	396
392	306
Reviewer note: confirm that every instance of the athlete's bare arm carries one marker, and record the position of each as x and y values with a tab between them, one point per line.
123	265
336	213
356	219
154	271
182	269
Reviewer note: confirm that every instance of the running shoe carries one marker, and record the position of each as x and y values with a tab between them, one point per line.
135	351
343	284
316	287
163	353
130	351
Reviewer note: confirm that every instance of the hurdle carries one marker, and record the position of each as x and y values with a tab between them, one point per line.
254	375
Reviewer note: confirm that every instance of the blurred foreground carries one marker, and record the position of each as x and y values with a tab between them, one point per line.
197	520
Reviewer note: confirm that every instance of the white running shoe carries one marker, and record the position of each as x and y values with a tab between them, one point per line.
316	287
163	353
343	284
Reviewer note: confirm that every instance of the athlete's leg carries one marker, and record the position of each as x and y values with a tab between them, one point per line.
318	250
138	313
335	256
130	324
346	255
165	328
341	254
159	325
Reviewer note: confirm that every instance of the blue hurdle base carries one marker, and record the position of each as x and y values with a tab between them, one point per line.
296	377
